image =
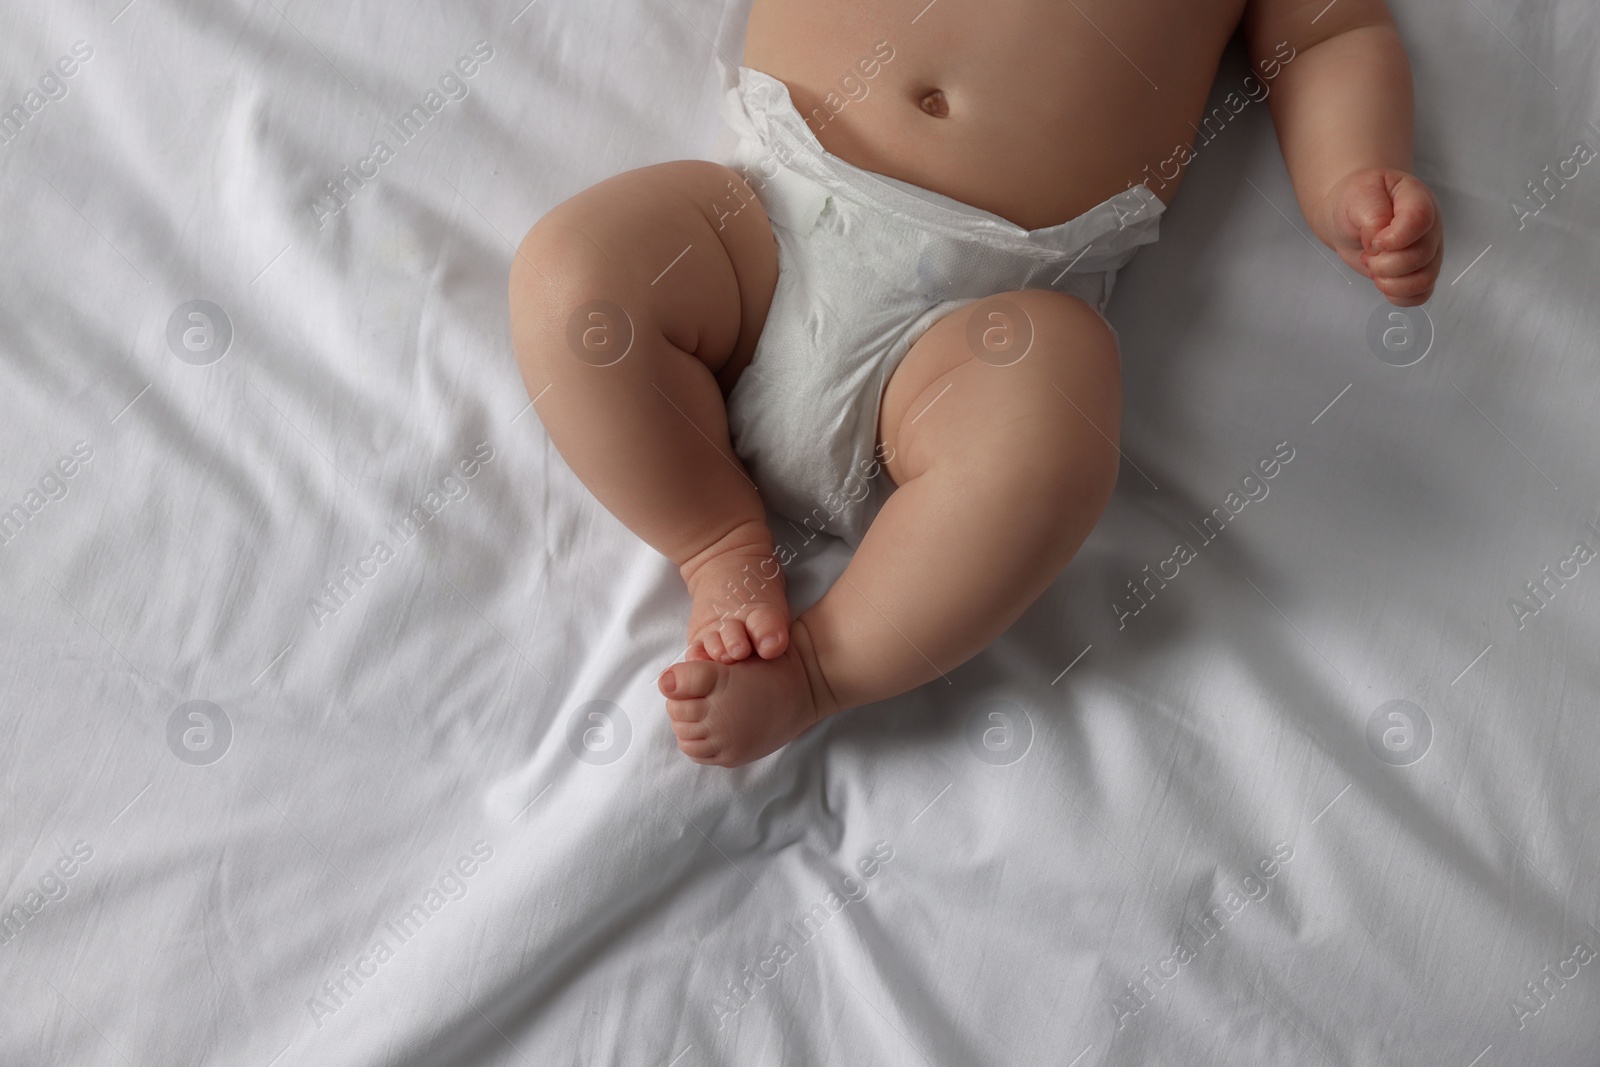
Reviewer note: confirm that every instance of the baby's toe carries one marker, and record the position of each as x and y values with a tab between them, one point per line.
735	640
711	641
689	730
682	711
768	625
688	681
700	751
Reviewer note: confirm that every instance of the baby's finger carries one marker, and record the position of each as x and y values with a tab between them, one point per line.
1403	260
1364	211
1355	259
1412	289
1414	215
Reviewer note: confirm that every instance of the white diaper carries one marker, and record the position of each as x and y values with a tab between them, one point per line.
866	264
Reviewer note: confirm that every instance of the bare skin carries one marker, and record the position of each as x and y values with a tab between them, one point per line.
1033	110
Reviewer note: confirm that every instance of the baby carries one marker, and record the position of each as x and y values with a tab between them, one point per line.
882	316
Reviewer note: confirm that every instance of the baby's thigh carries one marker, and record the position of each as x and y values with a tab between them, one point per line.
1025	382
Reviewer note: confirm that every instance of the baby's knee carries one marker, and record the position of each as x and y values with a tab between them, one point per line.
557	263
1067	324
1070	380
1034	335
1057	351
571	302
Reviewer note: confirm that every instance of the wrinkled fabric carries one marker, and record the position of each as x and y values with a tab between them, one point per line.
995	869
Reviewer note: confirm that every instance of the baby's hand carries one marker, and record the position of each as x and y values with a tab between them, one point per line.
1385	224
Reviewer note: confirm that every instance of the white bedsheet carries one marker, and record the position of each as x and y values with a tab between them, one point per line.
398	764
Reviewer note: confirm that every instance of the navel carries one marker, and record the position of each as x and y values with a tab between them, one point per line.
935	104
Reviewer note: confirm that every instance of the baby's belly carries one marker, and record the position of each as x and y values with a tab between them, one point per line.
1035	110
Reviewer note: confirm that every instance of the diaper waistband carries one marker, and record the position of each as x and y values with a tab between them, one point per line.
757	109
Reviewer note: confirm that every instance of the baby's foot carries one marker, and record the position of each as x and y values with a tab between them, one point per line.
739	602
732	714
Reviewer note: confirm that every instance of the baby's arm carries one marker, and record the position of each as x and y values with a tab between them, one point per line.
1342	106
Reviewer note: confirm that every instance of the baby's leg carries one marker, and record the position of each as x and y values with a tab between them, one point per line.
634	306
1002	472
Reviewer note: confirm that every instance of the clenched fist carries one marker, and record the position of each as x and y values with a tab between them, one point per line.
1385	224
